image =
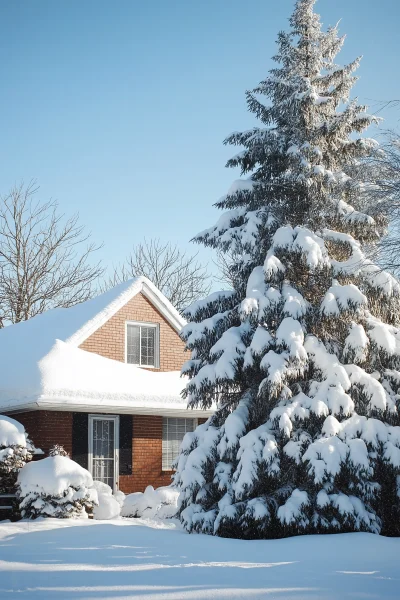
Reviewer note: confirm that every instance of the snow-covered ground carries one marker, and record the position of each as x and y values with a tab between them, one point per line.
138	558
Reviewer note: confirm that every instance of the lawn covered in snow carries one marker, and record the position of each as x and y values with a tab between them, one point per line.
150	560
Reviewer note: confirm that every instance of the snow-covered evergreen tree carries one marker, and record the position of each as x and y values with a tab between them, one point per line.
302	357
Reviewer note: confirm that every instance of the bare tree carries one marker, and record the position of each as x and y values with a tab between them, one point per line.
382	105
44	257
385	196
224	263
179	276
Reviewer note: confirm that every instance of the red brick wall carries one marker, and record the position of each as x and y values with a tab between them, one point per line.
146	456
109	340
46	428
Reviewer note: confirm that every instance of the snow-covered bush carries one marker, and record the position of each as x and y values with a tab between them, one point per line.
15	451
303	354
161	503
55	486
109	504
120	497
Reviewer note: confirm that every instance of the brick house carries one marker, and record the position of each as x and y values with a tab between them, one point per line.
103	379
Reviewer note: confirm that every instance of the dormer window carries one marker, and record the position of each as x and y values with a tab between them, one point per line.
142	344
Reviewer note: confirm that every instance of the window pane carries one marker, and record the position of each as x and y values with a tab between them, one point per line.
103	451
174	430
148	338
133	344
103	470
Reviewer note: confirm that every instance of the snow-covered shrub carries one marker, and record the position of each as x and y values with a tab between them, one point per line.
55	486
120	497
109	505
161	503
303	354
58	450
15	451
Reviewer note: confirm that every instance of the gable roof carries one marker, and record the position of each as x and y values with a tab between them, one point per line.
42	364
100	309
35	337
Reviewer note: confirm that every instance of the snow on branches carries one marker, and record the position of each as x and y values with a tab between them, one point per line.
302	358
15	450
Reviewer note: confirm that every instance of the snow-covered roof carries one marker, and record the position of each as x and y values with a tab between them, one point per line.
42	365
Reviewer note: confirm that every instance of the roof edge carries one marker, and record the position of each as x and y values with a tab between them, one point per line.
59	406
163	305
139	284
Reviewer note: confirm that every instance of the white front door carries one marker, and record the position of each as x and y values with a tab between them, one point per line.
103	449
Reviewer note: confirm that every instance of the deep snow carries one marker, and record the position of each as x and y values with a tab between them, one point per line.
152	560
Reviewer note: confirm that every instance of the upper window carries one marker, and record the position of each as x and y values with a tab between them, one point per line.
174	430
142	344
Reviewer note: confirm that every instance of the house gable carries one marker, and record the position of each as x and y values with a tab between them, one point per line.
74	358
109	339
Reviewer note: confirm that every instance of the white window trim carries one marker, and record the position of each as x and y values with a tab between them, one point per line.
195	423
114	418
155	326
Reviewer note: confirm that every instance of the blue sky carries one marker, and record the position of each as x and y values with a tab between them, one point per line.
119	108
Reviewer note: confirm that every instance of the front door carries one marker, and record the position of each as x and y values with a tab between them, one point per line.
103	449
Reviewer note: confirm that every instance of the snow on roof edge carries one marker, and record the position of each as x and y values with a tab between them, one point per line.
58	405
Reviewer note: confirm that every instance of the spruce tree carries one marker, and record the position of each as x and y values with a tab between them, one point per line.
302	357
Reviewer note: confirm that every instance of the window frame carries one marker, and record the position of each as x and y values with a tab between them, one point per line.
195	423
97	417
140	324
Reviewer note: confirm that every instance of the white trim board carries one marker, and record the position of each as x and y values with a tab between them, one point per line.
60	406
163	305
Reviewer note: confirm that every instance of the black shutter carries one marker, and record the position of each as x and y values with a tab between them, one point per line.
80	439
125	444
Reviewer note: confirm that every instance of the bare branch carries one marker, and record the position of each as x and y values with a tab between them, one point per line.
45	259
179	276
224	262
385	195
381	105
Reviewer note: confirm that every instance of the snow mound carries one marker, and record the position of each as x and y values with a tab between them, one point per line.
161	503
53	475
109	505
73	374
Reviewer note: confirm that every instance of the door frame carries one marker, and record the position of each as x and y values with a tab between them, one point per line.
115	419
